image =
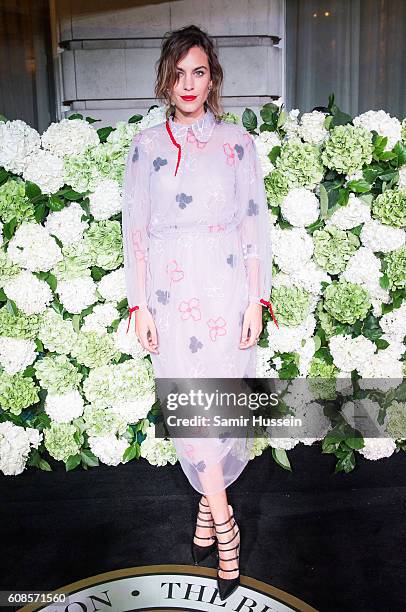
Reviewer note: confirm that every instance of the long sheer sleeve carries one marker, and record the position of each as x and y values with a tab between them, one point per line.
135	220
254	227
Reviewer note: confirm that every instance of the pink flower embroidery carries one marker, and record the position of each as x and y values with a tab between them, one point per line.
248	140
229	152
189	450
190	308
176	274
217	328
217	228
192	138
137	241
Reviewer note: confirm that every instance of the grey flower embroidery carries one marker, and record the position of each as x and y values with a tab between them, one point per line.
183	199
252	208
231	260
136	155
239	150
195	344
201	466
158	162
163	296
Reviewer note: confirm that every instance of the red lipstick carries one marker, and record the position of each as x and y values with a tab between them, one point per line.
188	98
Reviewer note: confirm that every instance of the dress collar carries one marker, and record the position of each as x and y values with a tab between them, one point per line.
202	128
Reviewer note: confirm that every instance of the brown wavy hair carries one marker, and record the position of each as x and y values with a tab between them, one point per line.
175	46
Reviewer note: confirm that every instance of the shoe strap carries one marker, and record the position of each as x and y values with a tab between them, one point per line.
227	530
230	559
236	569
205	538
227	549
225	522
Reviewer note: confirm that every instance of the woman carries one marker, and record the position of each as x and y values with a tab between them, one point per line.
198	262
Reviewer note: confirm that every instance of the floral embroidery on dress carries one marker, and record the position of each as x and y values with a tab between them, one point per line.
190	308
136	237
158	162
217	328
239	150
252	208
229	152
163	296
176	274
195	344
183	199
136	155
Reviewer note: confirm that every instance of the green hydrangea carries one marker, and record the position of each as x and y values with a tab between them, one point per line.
17	392
7	268
14	202
300	163
276	187
396	423
346	302
333	247
19	325
57	374
291	305
129	380
60	442
323	385
93	349
103	421
230	118
348	149
390	208
56	334
76	262
104	242
327	323
396	268
80	172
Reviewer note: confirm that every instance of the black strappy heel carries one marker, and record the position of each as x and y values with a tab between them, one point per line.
226	586
199	553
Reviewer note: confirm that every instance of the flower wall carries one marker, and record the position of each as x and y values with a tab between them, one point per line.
76	387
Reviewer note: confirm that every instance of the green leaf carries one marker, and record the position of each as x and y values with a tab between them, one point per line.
135	119
131	452
89	458
359	186
71	194
104	133
91	120
55	203
76	322
346	464
400	150
384	281
32	190
274	154
249	120
72	462
281	458
44	465
323	202
355	443
40	212
75	116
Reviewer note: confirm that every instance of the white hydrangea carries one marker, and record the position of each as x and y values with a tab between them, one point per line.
76	294
383	124
312	127
128	343
66	224
353	176
106	200
45	170
393	323
17	141
402	178
134	410
362	414
264	144
385	364
300	207
16	354
306	354
310	277
15	446
263	367
377	448
33	248
380	237
69	137
349	353
315	424
364	268
281	443
354	213
289	339
30	294
155	116
100	318
62	408
292	248
109	449
291	125
112	286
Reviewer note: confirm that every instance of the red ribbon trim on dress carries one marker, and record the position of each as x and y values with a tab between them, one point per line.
168	129
269	305
129	318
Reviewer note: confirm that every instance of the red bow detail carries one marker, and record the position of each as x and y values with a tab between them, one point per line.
269	305
129	318
175	143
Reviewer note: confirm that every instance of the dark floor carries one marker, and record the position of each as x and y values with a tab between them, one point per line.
335	541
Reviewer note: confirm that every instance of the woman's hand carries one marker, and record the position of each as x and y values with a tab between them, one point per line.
253	322
145	330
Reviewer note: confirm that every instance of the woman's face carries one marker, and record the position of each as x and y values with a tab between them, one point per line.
192	86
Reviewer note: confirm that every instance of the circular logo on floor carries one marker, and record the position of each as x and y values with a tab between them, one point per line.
163	588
